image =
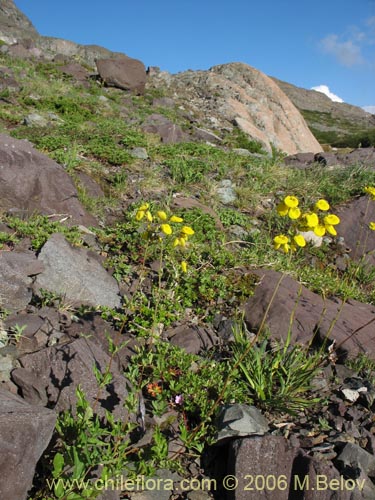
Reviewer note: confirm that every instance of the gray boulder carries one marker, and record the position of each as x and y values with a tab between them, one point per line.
76	274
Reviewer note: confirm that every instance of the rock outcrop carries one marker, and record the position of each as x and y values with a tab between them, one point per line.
14	25
237	94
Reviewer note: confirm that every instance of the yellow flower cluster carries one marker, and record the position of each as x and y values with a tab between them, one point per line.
311	220
370	190
161	225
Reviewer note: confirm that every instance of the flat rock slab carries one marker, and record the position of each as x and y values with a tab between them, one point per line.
76	274
25	432
62	368
16	270
311	314
33	183
240	420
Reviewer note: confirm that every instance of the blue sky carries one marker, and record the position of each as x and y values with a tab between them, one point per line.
305	43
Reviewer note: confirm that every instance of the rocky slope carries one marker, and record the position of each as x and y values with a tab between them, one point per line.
325	117
150	331
237	94
223	97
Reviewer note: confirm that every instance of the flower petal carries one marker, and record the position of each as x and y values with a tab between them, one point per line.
291	201
166	228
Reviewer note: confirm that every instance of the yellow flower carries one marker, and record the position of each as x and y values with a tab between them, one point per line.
294	213
188	231
139	215
166	228
311	219
299	240
184	266
281	241
371	191
175	218
291	201
320	230
289	207
372	226
322	205
282	209
142	211
330	221
162	215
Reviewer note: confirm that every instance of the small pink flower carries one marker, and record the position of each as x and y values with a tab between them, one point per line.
179	399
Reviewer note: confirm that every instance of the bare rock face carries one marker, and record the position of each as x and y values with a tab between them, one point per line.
25	432
14	25
237	94
349	324
32	182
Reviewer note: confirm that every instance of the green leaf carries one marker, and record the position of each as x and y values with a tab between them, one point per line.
58	464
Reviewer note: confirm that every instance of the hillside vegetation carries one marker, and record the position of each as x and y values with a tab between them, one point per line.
182	254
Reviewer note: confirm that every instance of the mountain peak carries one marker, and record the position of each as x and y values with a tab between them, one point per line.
14	25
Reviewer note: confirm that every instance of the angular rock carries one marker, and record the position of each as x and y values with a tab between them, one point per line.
263	456
32	182
311	479
353	459
16	269
76	274
32	388
240	420
62	368
75	70
299	160
312	314
192	339
225	192
354	220
35	120
169	132
25	432
123	72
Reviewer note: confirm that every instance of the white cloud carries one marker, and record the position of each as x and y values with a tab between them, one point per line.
325	90
369	109
346	52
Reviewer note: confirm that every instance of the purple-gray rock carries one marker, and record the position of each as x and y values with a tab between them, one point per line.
62	368
312	315
33	183
25	432
123	72
16	269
